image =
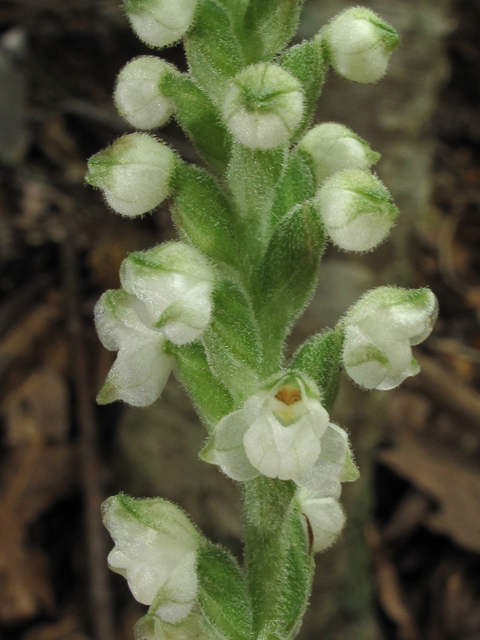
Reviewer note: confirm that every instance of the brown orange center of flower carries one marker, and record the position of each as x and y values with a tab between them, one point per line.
289	395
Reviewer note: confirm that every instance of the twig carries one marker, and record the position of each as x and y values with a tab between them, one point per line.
100	596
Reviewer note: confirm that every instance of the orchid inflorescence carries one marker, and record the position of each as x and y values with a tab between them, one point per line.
217	305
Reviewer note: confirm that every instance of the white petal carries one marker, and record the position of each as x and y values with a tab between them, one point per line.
177	596
118	320
326	519
364	361
229	451
282	452
138	375
332	467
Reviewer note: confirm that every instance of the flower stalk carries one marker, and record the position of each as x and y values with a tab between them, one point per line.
216	306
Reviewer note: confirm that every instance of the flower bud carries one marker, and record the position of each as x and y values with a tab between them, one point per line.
379	332
333	148
277	432
138	93
264	106
325	517
356	209
358	44
160	22
155	550
134	173
174	282
140	372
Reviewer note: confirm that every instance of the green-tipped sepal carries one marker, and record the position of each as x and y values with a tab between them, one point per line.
358	44
379	332
134	173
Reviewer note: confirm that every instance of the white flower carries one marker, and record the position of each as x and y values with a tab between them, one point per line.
140	372
166	294
325	519
379	332
138	94
160	22
155	550
333	148
175	282
264	106
356	209
134	173
277	432
359	43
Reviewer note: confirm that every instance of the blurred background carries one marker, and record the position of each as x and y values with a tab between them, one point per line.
407	566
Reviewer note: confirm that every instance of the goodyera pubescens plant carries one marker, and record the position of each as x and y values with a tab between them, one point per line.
216	305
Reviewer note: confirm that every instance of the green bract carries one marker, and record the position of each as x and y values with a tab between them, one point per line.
216	307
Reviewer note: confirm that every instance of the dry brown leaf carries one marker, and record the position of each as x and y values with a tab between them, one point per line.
390	592
23	575
41	404
20	342
455	487
65	629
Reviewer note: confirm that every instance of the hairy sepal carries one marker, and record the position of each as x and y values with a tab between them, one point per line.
320	358
223	596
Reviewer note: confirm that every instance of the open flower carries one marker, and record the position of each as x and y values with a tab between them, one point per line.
166	295
379	332
155	550
277	432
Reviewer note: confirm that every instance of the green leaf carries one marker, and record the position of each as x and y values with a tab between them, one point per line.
213	50
320	358
210	396
222	594
269	26
296	186
203	214
231	341
288	273
200	119
306	62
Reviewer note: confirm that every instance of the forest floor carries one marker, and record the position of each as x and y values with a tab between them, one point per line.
60	249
